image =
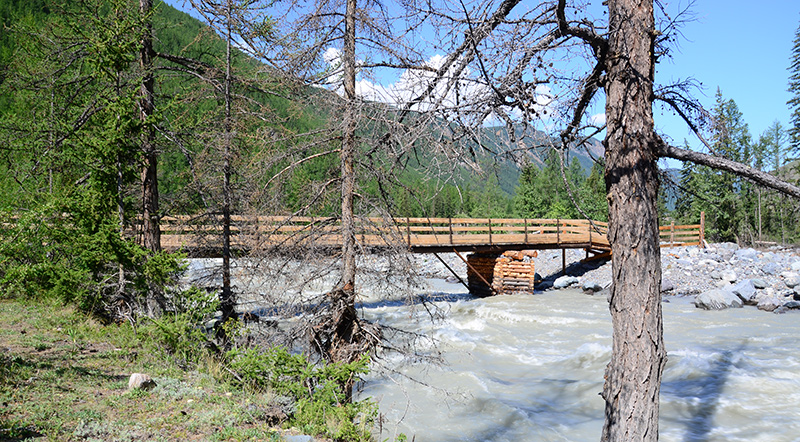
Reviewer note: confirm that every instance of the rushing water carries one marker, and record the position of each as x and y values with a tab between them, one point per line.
530	368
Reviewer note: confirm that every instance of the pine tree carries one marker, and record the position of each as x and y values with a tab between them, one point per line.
794	89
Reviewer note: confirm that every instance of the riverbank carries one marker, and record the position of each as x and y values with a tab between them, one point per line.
769	279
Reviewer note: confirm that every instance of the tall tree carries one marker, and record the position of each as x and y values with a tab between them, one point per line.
794	89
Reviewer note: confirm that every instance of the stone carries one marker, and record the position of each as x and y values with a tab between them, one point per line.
792	305
770	268
141	381
715	275
684	263
725	254
759	283
746	291
667	285
565	281
792	280
717	299
592	287
728	276
769	303
748	254
796	266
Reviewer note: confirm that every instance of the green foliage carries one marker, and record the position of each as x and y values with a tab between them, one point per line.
321	405
542	193
794	90
181	331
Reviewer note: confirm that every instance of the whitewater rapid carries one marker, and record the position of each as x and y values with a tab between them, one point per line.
530	368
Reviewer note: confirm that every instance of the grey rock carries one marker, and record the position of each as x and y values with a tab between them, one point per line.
769	303
298	438
685	263
748	254
728	276
792	280
715	275
725	255
792	305
759	283
728	246
564	281
141	381
746	291
591	287
667	285
796	266
770	268
717	299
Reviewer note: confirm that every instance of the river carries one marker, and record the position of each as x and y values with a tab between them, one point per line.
530	368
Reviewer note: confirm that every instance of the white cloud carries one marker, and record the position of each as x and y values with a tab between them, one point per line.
598	119
412	83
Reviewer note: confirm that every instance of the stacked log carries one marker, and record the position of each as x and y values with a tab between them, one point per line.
511	272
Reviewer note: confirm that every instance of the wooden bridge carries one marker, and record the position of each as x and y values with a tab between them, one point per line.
199	235
502	250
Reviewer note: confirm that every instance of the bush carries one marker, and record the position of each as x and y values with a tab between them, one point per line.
320	401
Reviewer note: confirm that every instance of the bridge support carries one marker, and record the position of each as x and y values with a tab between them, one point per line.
492	273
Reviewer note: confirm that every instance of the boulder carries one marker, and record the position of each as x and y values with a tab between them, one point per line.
667	285
759	283
796	266
141	381
717	299
715	275
746	291
748	254
684	263
792	305
792	280
768	303
728	276
565	281
592	287
770	268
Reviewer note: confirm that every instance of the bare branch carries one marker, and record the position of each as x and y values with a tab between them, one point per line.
727	165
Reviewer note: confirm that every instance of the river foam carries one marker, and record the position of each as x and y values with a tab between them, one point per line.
530	368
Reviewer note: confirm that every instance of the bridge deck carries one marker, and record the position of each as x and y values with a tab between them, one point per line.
418	235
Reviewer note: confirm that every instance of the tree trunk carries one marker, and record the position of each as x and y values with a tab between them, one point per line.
347	156
633	377
151	232
227	298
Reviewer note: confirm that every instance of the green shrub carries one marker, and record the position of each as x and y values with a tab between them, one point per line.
321	406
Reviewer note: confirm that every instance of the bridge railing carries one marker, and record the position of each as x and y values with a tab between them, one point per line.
270	231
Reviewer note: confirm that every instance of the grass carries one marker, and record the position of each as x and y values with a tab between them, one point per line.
63	377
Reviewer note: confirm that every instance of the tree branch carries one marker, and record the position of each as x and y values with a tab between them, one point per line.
720	163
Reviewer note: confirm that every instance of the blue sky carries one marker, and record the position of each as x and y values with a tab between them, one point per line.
742	47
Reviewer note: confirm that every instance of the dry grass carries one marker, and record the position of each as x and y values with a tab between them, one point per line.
64	377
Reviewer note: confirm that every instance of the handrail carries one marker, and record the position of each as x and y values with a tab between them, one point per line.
418	232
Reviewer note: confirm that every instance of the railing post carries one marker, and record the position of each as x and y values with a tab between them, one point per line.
490	231
558	231
526	230
408	231
450	224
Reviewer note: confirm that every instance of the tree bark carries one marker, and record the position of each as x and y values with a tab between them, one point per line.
633	377
227	298
347	155
151	231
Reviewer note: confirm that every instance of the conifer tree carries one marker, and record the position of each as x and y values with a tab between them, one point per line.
794	89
